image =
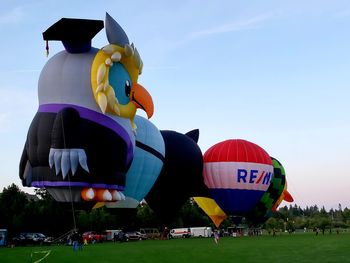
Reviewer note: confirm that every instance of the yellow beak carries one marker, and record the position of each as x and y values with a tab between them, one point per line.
142	99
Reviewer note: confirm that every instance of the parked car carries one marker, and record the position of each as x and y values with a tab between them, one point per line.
93	237
31	239
180	232
135	236
122	237
19	240
151	233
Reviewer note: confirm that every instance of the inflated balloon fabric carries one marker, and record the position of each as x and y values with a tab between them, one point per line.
238	173
180	176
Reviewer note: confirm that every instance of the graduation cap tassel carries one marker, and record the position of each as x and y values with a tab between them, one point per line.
47	48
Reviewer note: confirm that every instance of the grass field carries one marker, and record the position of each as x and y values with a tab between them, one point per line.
282	248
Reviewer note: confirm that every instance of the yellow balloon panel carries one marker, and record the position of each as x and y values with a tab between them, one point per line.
211	208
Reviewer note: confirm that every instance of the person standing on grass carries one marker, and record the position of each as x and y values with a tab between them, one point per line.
75	240
216	237
80	241
2	241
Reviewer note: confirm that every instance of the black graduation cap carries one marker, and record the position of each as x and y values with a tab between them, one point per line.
75	34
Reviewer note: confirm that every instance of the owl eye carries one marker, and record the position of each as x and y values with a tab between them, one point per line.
121	83
127	88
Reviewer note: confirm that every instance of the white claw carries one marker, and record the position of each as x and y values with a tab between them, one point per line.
57	159
115	195
83	160
65	163
107	196
119	197
51	154
74	161
67	159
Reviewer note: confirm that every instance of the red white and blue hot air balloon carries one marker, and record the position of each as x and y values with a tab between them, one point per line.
238	173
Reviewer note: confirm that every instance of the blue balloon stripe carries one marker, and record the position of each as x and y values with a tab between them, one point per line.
236	201
150	150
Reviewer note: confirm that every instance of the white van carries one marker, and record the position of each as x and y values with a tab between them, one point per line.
110	234
180	232
201	231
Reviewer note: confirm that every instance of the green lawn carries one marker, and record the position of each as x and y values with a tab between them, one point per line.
282	248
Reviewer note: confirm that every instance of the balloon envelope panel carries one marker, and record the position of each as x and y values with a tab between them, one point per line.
262	211
180	177
238	173
146	165
211	208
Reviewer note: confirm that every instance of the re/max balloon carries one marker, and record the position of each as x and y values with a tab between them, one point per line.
238	173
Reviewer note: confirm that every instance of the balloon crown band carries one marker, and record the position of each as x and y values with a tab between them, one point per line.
116	54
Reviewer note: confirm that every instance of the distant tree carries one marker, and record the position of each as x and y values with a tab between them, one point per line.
273	223
346	216
290	226
226	223
146	217
12	202
283	213
95	219
312	211
47	216
323	212
192	215
324	222
301	222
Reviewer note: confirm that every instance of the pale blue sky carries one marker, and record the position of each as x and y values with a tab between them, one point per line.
275	73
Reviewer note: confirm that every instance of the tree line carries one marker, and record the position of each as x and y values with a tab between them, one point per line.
293	217
41	213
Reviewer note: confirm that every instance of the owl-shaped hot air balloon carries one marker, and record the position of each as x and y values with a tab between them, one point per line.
237	173
81	141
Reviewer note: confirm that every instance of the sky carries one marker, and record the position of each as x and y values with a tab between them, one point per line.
275	73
